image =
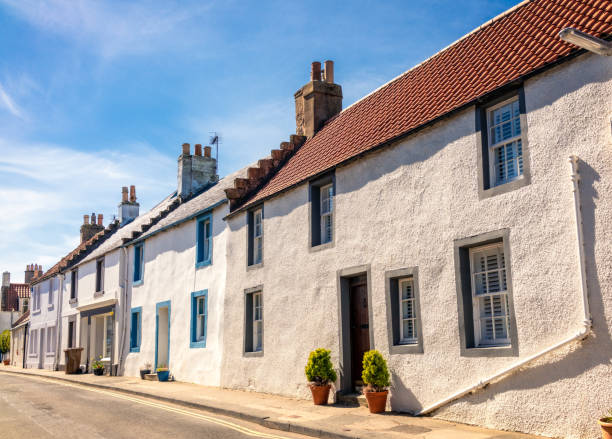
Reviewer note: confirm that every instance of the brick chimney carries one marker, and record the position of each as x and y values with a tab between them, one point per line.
89	229
195	172
128	208
6	279
318	101
28	274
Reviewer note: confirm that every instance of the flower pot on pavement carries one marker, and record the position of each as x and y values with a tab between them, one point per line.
320	394
606	428
162	375
6	362
377	401
99	371
144	372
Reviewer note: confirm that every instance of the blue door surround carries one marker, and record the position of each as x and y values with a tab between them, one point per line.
160	305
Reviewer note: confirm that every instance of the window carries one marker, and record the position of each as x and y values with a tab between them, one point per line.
71	333
108	339
36	298
100	275
199	318
204	241
484	295
138	263
255	230
51	291
253	337
322	211
503	154
73	283
135	329
403	315
51	340
33	341
26	304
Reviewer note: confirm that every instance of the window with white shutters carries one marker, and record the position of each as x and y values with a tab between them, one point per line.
489	295
327	200
407	308
505	142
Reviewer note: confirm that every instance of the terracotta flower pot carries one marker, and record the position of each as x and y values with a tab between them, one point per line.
320	394
6	362
377	401
606	429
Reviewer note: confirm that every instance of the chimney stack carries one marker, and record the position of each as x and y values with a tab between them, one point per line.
100	216
128	208
6	279
318	101
29	273
195	172
89	229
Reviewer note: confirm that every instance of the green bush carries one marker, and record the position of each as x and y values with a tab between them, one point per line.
319	369
5	341
375	373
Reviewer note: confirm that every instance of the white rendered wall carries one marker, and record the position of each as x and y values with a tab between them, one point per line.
170	274
44	318
404	207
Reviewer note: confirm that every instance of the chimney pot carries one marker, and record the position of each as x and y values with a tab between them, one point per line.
329	71
85	219
315	71
93	218
186	148
100	217
198	150
124	194
132	194
207	151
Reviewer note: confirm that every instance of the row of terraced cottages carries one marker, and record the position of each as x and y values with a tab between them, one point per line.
457	219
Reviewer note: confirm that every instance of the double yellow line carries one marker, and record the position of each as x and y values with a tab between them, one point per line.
211	419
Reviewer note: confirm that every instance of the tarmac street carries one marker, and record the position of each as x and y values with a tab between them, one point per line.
37	408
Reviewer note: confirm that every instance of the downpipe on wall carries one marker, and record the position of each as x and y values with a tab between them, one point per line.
58	322
586	323
123	323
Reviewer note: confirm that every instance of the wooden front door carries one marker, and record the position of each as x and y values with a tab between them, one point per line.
360	328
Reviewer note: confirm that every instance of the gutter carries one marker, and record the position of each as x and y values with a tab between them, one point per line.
58	320
584	331
586	41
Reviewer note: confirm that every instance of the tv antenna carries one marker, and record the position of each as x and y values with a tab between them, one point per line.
215	140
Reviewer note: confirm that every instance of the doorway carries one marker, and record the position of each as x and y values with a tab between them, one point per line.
355	325
162	334
41	352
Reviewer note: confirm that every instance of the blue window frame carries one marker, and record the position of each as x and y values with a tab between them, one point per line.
204	240
135	329
199	319
138	263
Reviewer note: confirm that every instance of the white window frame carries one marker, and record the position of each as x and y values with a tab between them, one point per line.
51	291
257	321
33	341
404	338
326	192
257	237
200	318
513	141
50	340
479	314
108	318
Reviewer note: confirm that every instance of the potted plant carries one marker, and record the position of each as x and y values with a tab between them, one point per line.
97	366
145	370
320	373
5	345
376	377
162	373
605	422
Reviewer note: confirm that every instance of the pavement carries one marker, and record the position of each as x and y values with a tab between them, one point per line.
281	413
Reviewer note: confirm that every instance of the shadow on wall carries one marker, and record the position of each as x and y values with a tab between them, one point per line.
402	396
597	348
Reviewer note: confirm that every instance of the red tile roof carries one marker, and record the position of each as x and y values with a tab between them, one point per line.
25	316
13	294
21	290
515	44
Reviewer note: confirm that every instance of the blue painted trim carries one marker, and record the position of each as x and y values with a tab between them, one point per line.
136	310
194	308
165	304
200	240
138	268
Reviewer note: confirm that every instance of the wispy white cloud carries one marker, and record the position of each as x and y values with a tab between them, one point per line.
46	189
113	28
7	102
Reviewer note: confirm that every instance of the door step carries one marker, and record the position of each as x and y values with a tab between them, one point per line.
151	377
352	400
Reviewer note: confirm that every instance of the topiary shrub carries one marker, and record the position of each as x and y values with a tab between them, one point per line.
319	369
5	342
375	373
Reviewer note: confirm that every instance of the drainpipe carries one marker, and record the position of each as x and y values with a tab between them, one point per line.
58	320
124	294
25	345
586	323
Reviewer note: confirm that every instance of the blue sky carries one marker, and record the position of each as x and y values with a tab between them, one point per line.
97	95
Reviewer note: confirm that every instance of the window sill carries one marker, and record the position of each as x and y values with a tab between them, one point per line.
503	188
203	264
50	354
490	351
73	301
36	312
197	344
99	293
50	306
253	354
135	349
254	266
137	282
319	247
406	348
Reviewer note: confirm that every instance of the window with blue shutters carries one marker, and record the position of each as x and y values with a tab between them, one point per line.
199	318
204	241
138	263
135	329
